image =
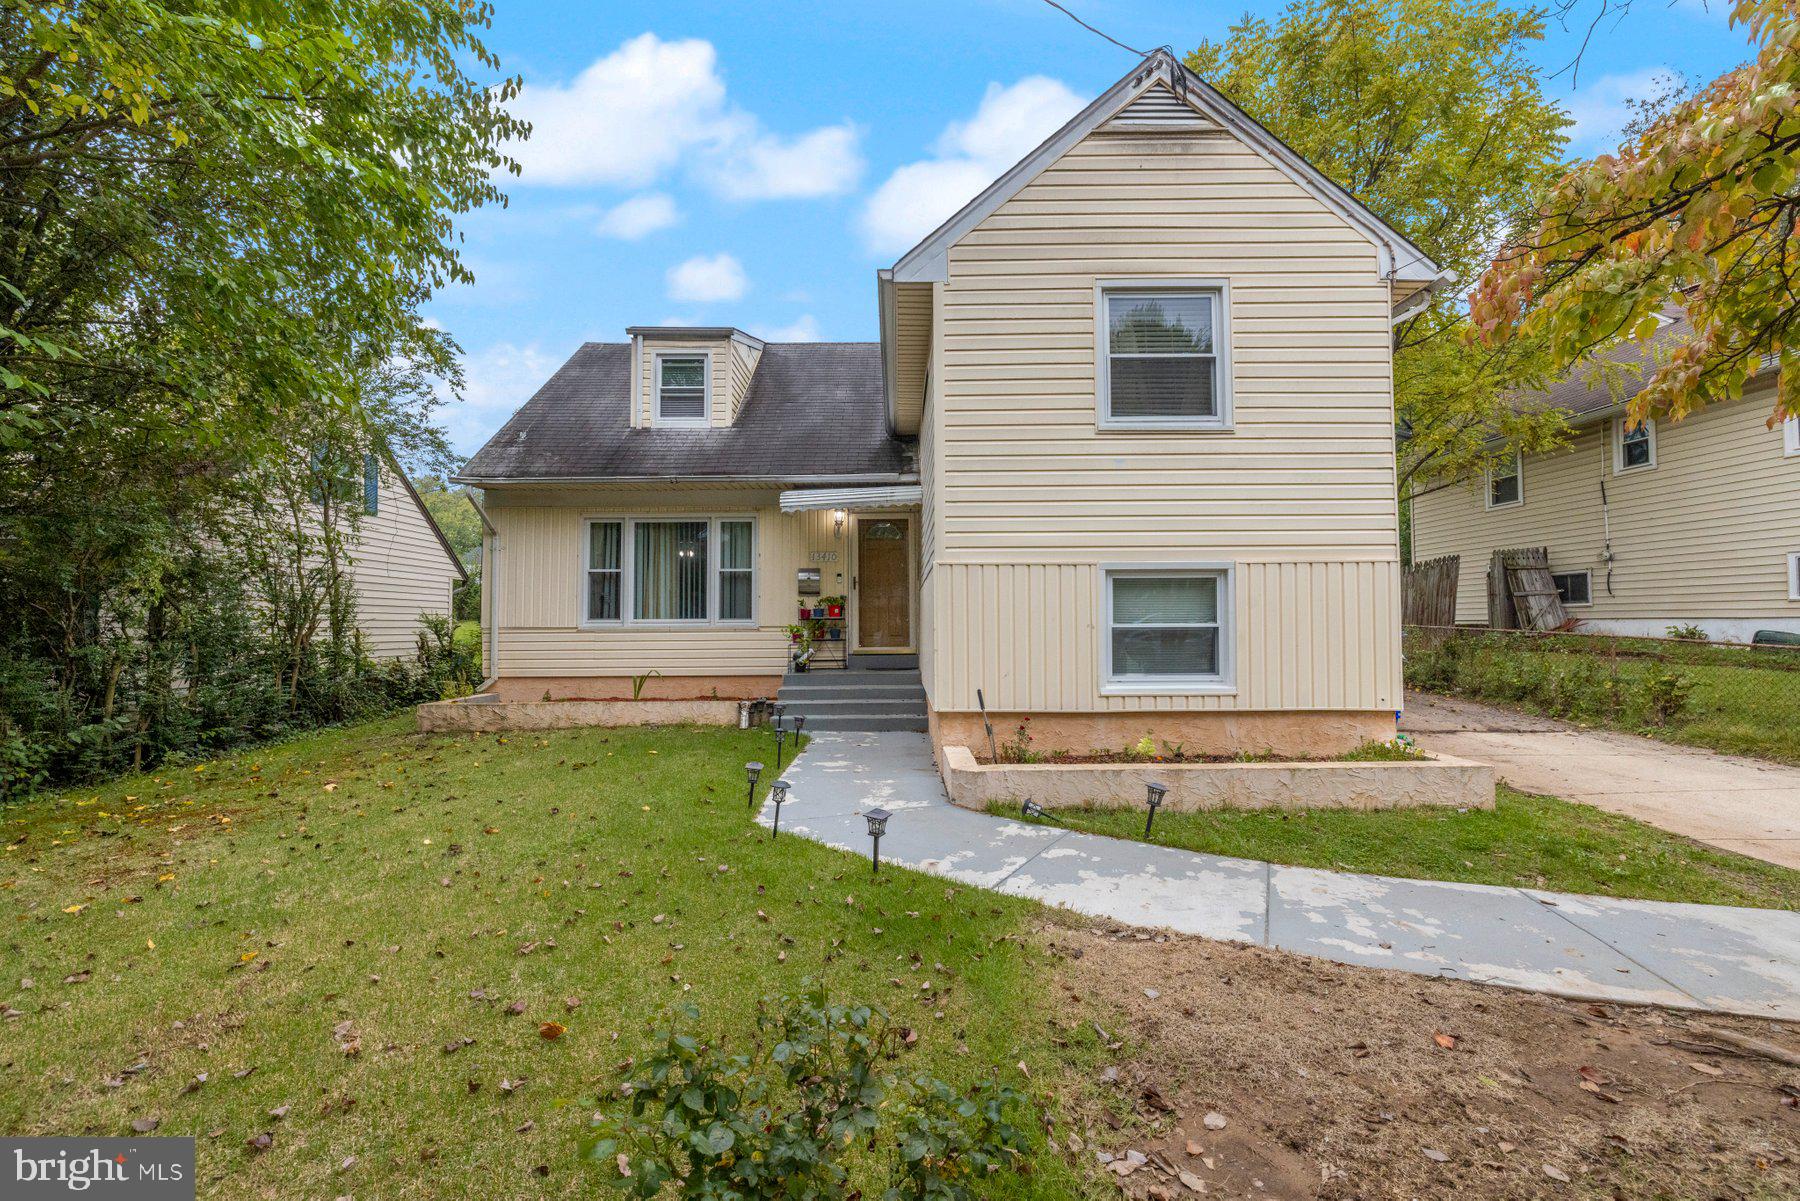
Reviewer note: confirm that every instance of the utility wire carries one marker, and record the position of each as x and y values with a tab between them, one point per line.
1096	32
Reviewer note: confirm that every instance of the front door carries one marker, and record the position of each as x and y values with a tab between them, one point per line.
883	589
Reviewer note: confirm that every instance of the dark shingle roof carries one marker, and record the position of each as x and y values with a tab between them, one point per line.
1589	389
814	409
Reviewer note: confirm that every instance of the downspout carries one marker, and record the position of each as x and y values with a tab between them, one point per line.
1606	552
490	592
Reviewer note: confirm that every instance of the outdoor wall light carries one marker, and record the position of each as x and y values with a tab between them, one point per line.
837	522
753	770
1154	796
878	820
778	791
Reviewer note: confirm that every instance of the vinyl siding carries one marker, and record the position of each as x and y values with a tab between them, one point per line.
400	571
540	585
1705	534
913	305
1031	498
744	358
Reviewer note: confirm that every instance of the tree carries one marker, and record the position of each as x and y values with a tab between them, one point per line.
1697	210
1430	112
449	506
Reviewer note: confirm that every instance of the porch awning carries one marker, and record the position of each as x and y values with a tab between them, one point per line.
800	500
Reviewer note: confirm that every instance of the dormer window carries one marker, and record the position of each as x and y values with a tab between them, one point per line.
681	389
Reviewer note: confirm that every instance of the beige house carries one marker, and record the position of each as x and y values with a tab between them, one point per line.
402	565
1122	463
1695	522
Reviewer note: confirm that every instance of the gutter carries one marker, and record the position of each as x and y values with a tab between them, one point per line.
882	477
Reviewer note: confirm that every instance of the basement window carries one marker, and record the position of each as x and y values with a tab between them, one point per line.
1574	588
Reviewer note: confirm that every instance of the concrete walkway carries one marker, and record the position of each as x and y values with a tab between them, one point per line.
1693	956
1736	804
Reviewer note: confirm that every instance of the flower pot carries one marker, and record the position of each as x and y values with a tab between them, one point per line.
796	639
834	634
819	612
805	613
834	610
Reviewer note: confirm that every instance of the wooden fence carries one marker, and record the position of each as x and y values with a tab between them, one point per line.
1428	592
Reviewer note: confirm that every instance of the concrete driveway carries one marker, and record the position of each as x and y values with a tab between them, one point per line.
1741	805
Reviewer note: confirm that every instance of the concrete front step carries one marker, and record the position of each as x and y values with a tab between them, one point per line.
867	723
849	678
912	694
811	709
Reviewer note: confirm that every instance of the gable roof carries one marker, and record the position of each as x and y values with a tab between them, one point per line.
425	512
814	412
1133	103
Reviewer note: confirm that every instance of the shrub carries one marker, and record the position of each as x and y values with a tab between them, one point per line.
1666	695
778	1120
1688	633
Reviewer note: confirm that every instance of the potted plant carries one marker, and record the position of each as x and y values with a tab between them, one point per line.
834	606
796	633
835	634
805	609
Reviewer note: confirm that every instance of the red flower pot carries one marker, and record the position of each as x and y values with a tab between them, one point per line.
834	610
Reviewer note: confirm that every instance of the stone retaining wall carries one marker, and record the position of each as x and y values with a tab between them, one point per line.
1435	780
489	713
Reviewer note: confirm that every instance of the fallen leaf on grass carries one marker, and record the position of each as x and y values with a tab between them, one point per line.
145	1125
260	1142
552	1030
1446	1041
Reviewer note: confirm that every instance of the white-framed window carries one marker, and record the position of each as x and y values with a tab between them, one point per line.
1794	576
1634	449
605	576
1167	628
1574	588
683	385
1163	354
1506	483
677	569
1790	436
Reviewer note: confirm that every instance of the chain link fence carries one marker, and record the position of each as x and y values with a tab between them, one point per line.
1729	697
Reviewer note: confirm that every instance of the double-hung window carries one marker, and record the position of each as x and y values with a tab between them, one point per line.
1167	629
1634	448
1790	436
662	571
1165	357
1506	483
681	389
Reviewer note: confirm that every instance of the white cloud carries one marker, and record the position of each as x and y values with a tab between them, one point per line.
706	278
636	115
825	162
969	155
803	329
638	217
1600	111
496	381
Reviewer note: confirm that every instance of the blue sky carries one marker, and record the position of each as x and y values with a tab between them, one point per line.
753	165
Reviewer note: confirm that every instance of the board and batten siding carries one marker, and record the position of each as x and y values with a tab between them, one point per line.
1032	499
1702	536
541	585
400	571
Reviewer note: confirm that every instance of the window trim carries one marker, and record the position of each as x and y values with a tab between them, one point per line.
1588	574
1223	421
1793	561
704	420
628	523
1790	437
1619	432
1221	684
1487	494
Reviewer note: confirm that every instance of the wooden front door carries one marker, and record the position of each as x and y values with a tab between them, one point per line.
883	586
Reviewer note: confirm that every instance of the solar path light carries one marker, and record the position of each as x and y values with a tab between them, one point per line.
878	820
752	769
1154	796
778	791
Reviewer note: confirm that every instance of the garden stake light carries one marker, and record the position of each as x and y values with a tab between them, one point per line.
1033	809
799	726
877	819
777	790
1155	792
779	734
752	769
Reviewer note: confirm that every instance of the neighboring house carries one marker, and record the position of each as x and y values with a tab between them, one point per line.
1122	463
402	565
1671	523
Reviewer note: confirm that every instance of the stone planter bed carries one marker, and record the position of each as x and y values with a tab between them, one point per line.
484	712
1305	784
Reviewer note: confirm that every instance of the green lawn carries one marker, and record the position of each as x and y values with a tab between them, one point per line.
226	920
1527	841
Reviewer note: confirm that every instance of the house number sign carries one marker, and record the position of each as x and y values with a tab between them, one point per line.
824	556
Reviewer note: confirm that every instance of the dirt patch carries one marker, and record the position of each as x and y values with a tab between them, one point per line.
1323	1081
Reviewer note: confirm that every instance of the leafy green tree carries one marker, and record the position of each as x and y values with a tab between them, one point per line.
449	506
1431	113
1698	209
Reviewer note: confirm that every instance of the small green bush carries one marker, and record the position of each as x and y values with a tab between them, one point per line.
779	1120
